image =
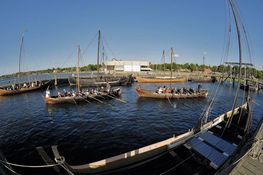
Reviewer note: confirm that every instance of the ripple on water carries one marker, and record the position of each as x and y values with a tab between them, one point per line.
90	132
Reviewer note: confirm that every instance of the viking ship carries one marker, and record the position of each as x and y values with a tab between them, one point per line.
18	88
172	93
14	89
247	87
139	79
192	146
114	93
153	94
81	96
162	79
99	80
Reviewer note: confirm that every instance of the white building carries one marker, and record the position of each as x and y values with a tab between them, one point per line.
127	66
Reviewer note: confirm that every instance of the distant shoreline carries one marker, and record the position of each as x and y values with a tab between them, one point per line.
158	69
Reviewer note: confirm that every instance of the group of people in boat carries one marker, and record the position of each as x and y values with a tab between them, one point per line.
24	85
82	93
174	90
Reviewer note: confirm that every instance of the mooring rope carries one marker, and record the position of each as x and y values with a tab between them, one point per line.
237	161
10	169
29	166
59	162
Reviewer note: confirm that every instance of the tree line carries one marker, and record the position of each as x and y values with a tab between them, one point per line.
159	67
227	69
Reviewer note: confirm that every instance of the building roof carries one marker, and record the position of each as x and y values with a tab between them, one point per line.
114	63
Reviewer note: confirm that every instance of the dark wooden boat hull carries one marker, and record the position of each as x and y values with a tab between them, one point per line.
249	88
153	94
86	98
4	92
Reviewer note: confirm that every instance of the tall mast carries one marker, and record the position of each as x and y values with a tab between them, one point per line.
98	52
20	54
240	57
172	54
102	59
163	60
78	86
204	61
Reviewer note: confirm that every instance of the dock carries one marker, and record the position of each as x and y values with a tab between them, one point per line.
252	162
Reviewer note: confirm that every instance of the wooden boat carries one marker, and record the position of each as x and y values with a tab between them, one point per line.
162	79
19	88
153	94
82	97
208	151
9	90
99	81
247	87
151	153
139	79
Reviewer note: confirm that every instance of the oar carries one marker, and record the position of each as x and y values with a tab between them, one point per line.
173	105
123	101
85	99
76	106
107	103
74	101
96	99
100	96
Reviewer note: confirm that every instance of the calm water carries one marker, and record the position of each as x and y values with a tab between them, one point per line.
89	132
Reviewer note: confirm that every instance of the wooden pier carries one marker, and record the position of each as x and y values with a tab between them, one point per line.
252	162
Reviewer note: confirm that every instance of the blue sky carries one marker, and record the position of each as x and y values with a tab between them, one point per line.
131	30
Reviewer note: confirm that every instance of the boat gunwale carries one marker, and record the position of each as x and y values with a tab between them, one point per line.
168	144
133	153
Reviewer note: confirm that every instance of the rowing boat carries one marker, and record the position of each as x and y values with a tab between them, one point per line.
82	97
153	94
9	90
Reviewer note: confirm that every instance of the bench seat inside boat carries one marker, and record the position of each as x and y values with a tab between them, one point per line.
218	143
210	151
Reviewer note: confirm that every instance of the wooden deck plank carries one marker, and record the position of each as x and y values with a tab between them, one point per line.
248	165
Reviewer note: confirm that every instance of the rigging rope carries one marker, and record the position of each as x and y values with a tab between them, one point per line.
86	49
238	22
114	55
226	48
